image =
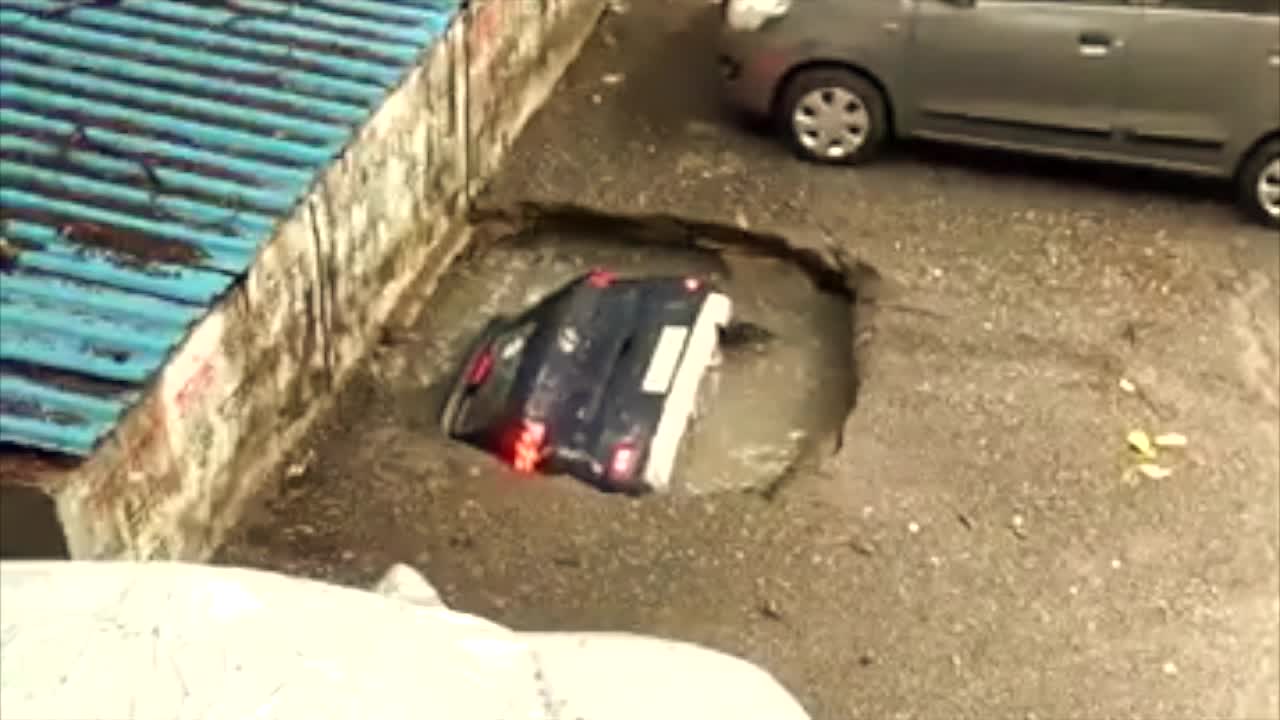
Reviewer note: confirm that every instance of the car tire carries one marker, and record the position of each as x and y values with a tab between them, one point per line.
1258	189
848	120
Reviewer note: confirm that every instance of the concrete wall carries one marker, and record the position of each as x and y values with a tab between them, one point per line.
257	371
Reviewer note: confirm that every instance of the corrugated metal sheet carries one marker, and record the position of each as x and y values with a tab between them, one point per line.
148	148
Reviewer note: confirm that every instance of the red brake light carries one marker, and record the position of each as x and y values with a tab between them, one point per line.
601	278
623	462
692	284
480	368
528	449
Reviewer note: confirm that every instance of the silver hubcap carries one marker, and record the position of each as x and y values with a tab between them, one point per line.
831	122
1269	188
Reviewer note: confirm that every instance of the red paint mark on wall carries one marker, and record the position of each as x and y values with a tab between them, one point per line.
195	387
486	28
144	461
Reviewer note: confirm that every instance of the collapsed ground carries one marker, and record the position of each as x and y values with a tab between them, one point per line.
979	548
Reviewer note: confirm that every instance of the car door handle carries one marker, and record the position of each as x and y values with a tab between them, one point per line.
1095	44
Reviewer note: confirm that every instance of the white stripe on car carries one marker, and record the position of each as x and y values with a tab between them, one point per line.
681	397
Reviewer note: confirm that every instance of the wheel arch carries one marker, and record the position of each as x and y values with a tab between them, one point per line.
822	64
1247	155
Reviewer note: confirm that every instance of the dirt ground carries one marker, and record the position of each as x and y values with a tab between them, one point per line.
980	549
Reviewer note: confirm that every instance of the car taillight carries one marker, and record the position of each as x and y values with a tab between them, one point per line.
692	284
480	368
601	278
528	448
623	462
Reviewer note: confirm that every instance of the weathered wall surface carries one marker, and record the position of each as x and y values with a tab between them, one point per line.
265	363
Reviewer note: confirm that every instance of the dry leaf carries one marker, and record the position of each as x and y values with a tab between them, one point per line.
1151	471
1171	439
1141	444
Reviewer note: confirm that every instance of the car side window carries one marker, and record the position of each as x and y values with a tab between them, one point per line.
1245	7
488	402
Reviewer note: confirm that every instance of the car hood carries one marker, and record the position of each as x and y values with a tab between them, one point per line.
176	641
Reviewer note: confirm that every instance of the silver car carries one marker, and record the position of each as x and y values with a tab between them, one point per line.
1184	85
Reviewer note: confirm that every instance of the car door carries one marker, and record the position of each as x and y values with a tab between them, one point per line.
1046	73
1206	81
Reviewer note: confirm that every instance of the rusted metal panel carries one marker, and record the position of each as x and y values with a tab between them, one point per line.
147	151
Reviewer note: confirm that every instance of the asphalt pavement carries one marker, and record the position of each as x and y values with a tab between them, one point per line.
982	546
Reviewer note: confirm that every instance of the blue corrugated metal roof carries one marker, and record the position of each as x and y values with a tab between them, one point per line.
147	150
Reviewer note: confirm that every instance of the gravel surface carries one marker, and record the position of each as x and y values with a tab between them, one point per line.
981	548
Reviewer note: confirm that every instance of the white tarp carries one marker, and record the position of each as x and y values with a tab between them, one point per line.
165	641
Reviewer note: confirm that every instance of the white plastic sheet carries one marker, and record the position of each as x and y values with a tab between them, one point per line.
163	641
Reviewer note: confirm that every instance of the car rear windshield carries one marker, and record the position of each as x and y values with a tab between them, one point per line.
486	404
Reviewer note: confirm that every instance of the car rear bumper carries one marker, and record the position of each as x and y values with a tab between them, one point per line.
752	66
681	398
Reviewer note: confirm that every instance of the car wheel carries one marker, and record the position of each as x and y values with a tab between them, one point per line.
1259	190
833	116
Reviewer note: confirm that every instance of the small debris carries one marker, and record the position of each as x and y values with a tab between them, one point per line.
613	78
1169	668
965	520
295	472
619	7
770	610
1140	443
740	219
1170	440
1151	471
597	99
862	547
1127	386
867	659
1018	525
913	527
